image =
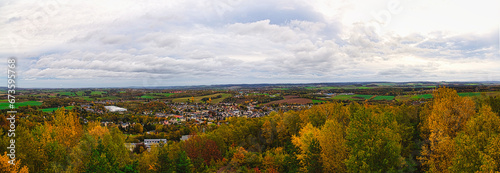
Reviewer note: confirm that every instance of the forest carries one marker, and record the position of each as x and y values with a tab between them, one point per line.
448	133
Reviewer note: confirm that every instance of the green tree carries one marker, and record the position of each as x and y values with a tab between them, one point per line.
183	163
373	145
313	158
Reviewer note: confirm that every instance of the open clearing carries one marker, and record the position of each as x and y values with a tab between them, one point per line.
198	99
31	103
291	100
384	98
54	109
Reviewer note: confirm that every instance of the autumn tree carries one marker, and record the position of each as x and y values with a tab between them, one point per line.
333	146
448	115
202	150
474	146
373	145
268	132
307	141
7	167
148	161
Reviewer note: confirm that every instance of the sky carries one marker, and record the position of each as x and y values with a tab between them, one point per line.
95	43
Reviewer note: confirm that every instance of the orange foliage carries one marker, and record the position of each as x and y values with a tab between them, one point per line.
6	167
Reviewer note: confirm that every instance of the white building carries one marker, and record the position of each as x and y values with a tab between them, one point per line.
115	109
154	141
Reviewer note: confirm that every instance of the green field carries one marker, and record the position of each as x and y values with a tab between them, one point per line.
343	87
344	97
31	103
322	88
109	98
54	109
384	84
66	93
156	95
351	97
469	94
149	97
383	98
318	101
198	99
422	96
366	97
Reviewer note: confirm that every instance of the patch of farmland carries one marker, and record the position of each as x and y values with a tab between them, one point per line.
383	98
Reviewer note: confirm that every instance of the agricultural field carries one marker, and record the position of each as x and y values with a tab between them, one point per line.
54	109
421	96
365	97
317	101
321	88
344	97
156	95
343	87
198	99
383	98
291	100
31	103
66	93
469	94
352	97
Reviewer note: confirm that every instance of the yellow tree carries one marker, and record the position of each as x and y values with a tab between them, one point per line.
307	135
475	146
267	132
6	167
96	130
448	116
67	128
333	145
148	160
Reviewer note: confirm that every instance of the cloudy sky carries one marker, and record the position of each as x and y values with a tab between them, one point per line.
170	43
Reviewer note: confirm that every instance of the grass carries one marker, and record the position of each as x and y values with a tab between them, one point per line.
148	97
429	96
366	97
66	93
469	94
317	101
344	87
344	97
168	94
98	92
156	95
383	98
384	84
198	99
108	98
31	103
54	109
422	96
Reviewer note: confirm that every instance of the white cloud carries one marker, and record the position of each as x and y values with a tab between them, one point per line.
232	41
